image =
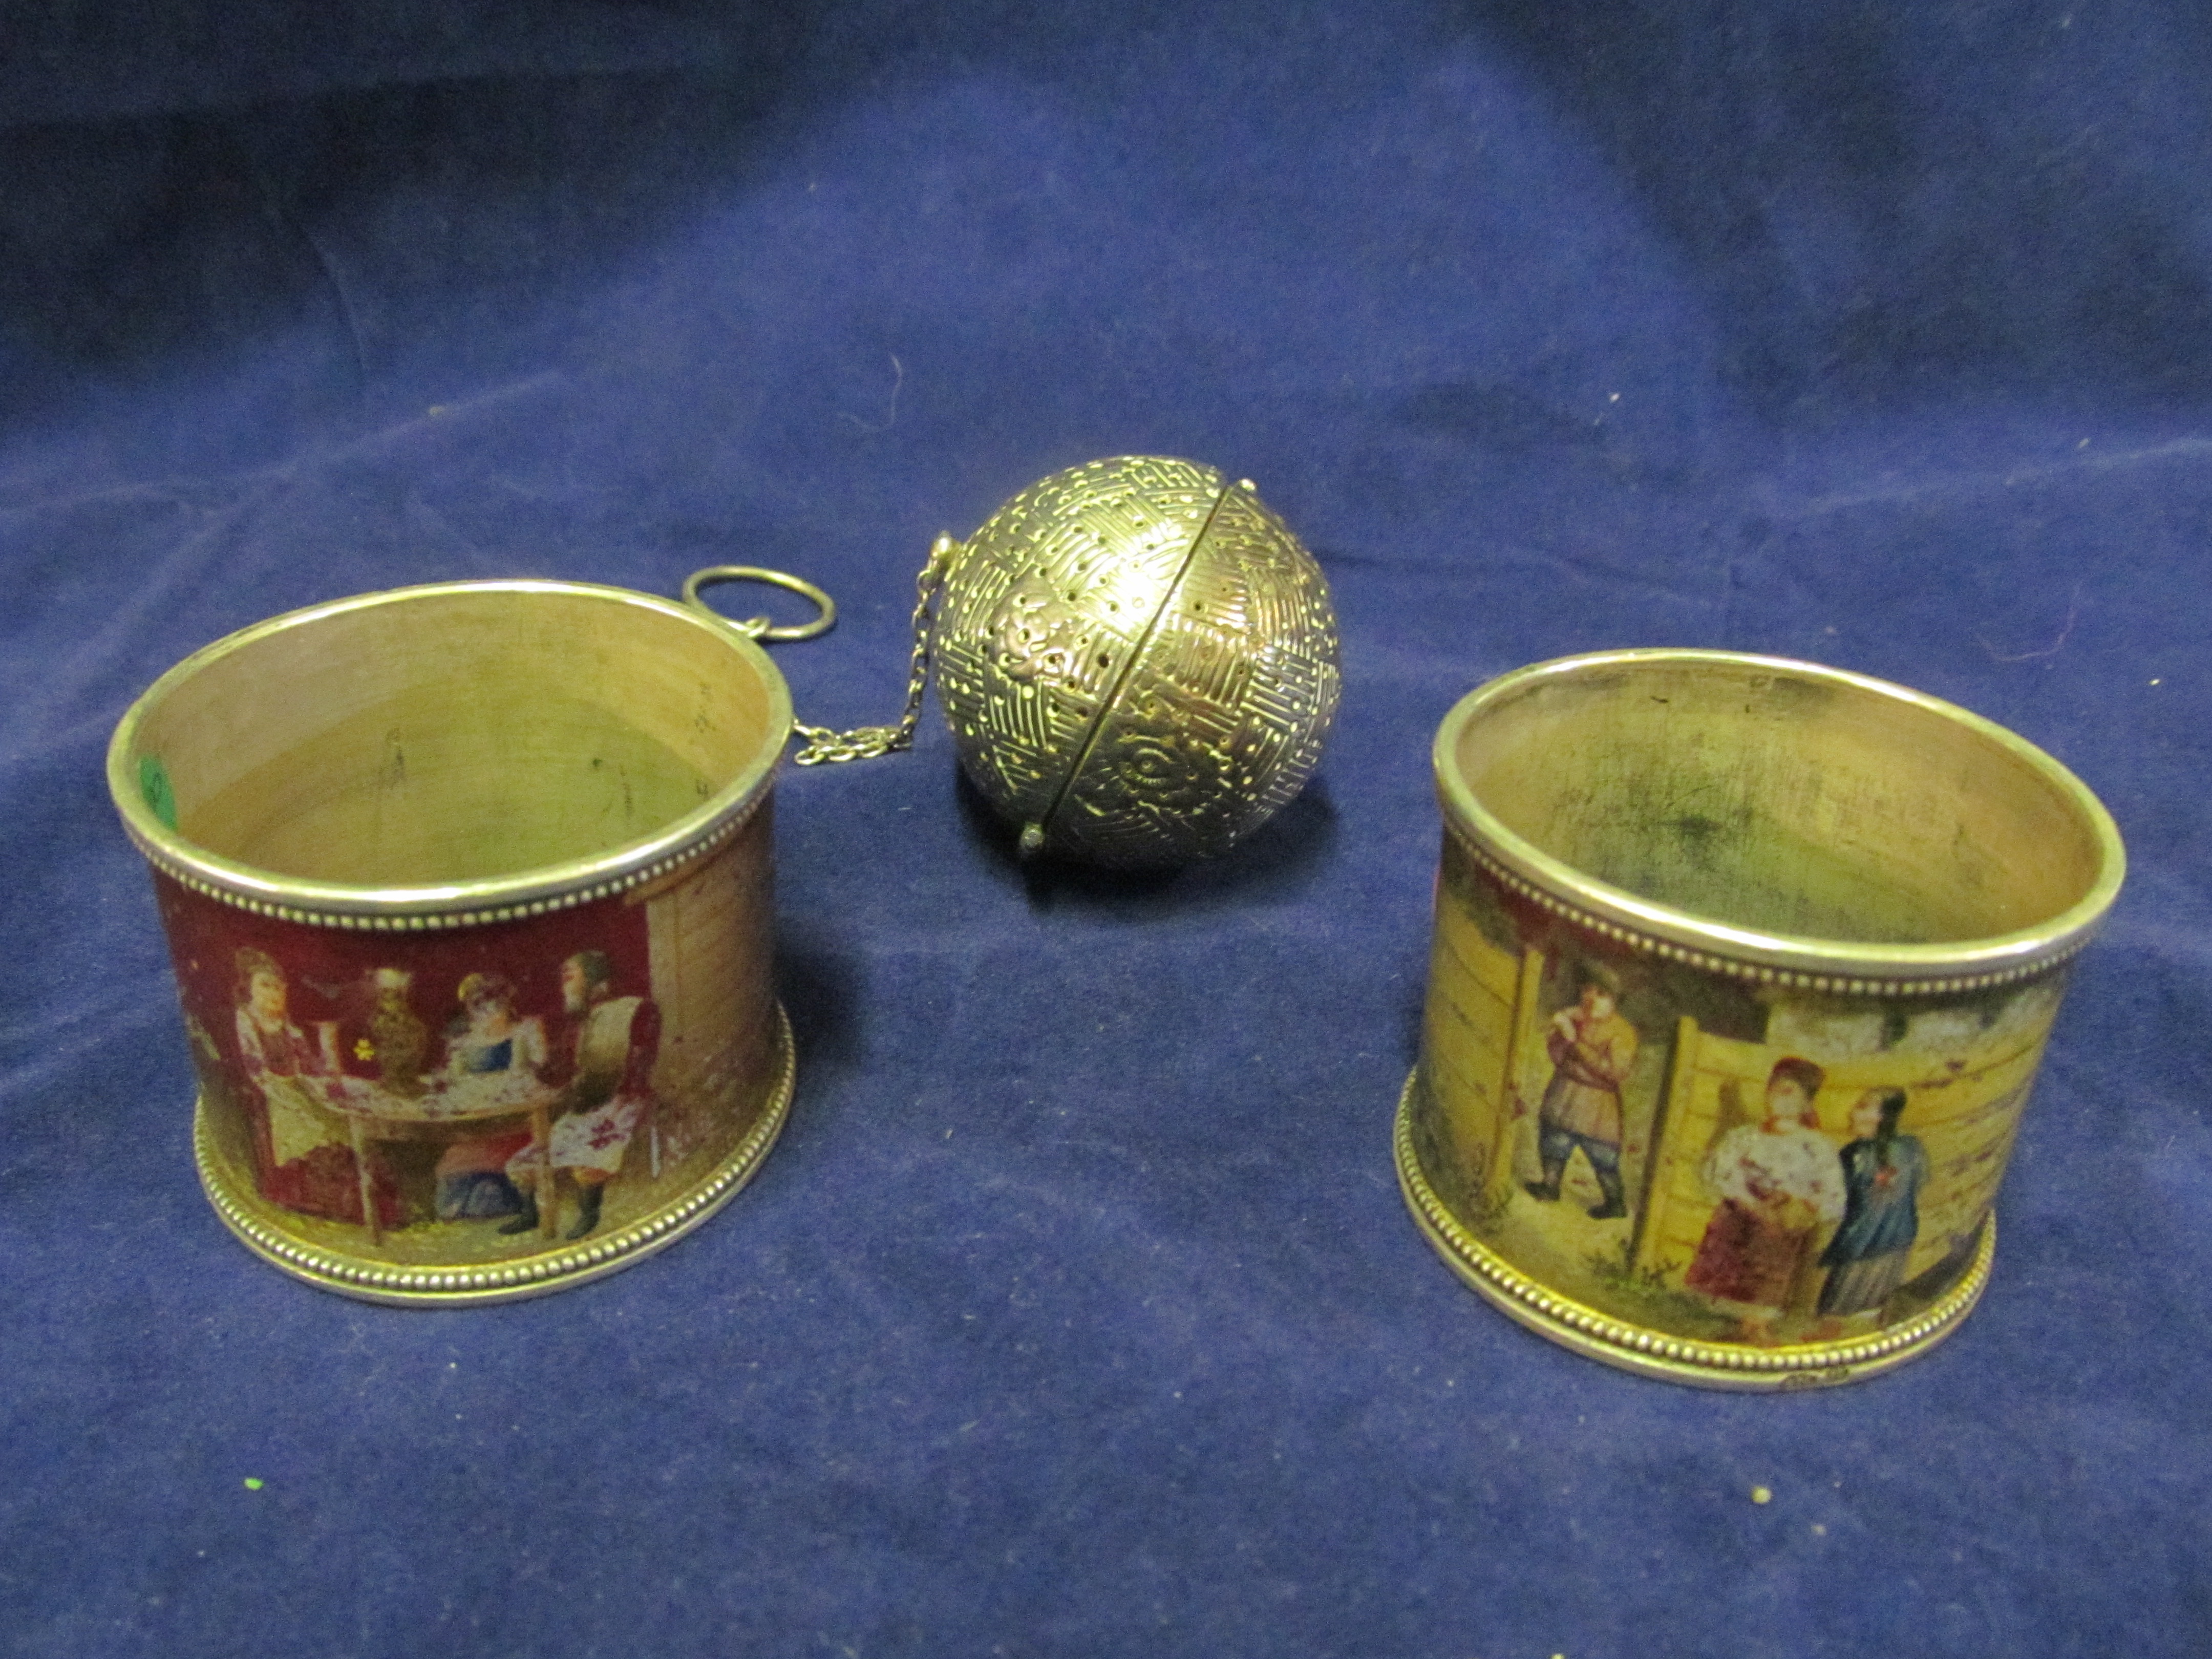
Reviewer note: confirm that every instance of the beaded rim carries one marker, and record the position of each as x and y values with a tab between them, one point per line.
507	897
1756	972
1837	966
535	1275
1654	1354
417	921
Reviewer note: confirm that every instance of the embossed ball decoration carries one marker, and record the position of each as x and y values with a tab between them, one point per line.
1137	661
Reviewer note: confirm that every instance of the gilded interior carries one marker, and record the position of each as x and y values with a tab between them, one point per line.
459	734
1783	799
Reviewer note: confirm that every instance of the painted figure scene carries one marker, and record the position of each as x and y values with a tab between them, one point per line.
1717	1159
484	1093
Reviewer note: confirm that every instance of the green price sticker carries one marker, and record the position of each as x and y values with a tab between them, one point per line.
153	785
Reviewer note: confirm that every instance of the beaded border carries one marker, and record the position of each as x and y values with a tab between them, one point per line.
533	1276
404	921
1734	968
1678	1359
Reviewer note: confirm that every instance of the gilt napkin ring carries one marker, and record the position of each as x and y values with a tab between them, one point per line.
468	892
1742	969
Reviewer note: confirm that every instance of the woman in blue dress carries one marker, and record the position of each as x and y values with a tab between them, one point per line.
489	1054
1883	1173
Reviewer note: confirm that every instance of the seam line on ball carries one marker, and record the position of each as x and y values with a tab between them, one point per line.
1129	664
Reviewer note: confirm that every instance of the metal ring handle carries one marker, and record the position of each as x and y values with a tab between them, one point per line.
760	627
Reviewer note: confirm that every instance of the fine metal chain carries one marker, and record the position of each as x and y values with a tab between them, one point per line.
824	745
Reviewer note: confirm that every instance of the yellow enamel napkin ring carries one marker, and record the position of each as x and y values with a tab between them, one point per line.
1743	972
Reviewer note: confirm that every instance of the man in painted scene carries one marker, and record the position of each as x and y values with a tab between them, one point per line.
1883	1172
606	1096
1777	1182
397	1040
1592	1048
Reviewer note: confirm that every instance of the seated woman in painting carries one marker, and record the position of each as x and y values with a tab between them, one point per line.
492	1059
1883	1172
302	1148
1777	1182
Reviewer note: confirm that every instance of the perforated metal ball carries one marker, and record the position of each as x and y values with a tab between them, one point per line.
1137	661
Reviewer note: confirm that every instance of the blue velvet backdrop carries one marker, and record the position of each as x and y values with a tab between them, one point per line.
1077	1313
